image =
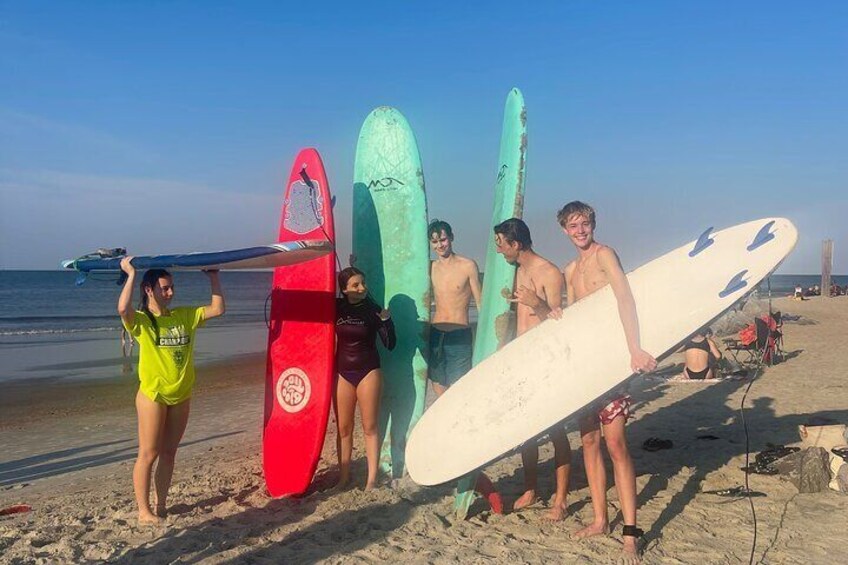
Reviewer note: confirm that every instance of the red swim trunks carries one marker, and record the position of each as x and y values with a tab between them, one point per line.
619	406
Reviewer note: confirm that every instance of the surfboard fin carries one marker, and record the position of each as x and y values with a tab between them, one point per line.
81	278
704	241
763	236
735	284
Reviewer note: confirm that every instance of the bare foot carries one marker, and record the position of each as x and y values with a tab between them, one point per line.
370	485
592	530
526	499
630	553
148	519
557	512
342	485
159	509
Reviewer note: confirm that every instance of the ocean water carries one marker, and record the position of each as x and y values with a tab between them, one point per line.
51	328
782	285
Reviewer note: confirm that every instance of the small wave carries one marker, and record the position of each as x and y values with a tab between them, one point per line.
9	333
30	319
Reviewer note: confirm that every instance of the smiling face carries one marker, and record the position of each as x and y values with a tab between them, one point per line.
441	244
355	290
509	249
580	230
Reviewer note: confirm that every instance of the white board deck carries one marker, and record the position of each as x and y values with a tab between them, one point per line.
562	366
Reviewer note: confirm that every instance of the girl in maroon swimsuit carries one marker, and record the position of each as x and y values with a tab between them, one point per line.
358	322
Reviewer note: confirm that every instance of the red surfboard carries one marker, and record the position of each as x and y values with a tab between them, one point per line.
301	337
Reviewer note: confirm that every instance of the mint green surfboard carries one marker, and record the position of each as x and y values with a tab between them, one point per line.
496	321
391	248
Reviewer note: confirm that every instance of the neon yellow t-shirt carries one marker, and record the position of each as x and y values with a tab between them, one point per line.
166	369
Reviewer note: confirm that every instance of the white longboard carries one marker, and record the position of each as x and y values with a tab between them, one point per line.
561	366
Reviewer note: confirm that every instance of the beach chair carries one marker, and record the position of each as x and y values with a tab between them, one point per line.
761	348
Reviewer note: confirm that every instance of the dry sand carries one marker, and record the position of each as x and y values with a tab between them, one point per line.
68	451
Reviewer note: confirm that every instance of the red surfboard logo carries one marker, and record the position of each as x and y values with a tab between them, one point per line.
293	390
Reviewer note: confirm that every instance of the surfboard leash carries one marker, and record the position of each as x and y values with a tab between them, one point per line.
747	489
312	202
757	372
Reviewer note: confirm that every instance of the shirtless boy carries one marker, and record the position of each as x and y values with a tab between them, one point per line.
538	291
455	281
595	267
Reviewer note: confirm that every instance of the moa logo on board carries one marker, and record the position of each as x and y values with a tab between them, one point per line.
386	183
293	390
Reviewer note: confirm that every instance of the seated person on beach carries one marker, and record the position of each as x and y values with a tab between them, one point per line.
166	373
701	356
455	281
358	322
799	292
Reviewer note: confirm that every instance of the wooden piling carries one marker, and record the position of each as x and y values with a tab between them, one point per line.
827	266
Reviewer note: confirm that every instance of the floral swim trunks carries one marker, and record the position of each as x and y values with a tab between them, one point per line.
610	410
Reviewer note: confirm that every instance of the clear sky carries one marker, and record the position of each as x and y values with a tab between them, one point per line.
170	126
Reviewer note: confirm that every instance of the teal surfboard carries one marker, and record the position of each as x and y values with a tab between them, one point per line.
391	247
496	321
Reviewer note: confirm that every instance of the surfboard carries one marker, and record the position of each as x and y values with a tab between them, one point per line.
286	252
301	337
496	320
391	247
563	366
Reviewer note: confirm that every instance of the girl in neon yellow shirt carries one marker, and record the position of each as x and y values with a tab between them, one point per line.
166	375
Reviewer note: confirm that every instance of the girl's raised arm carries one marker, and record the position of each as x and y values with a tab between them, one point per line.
217	307
125	309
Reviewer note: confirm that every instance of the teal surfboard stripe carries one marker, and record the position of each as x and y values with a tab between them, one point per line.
391	248
496	323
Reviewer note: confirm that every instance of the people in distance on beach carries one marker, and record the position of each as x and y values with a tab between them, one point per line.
798	294
359	381
456	281
701	356
597	266
538	291
127	343
166	374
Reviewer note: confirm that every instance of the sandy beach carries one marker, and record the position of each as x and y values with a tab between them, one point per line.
68	449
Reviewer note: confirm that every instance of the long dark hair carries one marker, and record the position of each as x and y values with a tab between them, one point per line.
150	280
346	274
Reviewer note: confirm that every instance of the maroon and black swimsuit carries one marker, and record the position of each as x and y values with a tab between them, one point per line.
357	326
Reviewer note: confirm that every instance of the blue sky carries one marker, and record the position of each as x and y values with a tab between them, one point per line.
170	126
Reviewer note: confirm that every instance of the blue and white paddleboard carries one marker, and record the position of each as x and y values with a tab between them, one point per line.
260	257
562	366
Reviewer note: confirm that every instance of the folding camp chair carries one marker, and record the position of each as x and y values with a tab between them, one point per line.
761	349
